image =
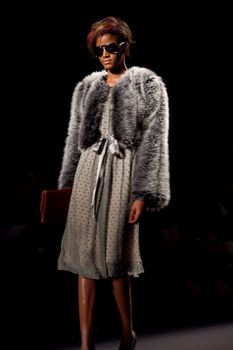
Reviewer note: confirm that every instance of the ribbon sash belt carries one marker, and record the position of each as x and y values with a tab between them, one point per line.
105	144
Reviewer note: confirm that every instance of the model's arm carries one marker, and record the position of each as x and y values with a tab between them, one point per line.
151	180
71	153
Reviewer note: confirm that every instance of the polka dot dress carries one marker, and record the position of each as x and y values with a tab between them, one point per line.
103	244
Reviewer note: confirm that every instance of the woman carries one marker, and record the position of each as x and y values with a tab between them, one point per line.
116	161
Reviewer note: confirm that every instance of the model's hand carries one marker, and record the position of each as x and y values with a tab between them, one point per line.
135	211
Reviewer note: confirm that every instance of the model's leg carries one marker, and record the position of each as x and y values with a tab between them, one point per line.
86	302
122	294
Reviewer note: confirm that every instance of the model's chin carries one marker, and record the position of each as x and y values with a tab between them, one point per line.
107	65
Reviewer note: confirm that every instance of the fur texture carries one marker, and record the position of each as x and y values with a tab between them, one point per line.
140	117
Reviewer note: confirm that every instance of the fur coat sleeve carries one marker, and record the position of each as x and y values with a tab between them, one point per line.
72	151
151	180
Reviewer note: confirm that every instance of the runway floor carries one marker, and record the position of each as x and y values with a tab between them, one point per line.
208	337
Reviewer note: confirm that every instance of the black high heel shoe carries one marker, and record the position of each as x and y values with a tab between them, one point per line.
132	345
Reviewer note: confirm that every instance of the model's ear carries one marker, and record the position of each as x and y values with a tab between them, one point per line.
125	48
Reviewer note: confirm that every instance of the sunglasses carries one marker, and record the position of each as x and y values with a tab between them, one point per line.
110	48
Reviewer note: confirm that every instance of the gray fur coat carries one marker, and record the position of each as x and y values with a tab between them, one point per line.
140	120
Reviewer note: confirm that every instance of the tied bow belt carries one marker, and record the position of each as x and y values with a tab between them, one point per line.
102	147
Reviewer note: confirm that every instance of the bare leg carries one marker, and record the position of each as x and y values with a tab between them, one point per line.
86	302
122	294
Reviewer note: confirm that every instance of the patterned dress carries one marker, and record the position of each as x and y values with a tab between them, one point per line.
98	242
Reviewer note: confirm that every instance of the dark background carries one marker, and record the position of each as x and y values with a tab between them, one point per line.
43	56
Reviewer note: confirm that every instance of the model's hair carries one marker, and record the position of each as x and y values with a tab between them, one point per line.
109	25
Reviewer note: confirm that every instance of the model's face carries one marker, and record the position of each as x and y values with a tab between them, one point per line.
110	53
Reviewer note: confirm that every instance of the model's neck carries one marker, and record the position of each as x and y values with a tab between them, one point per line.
114	76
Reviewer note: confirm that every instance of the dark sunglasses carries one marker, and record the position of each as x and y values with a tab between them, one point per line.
110	48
